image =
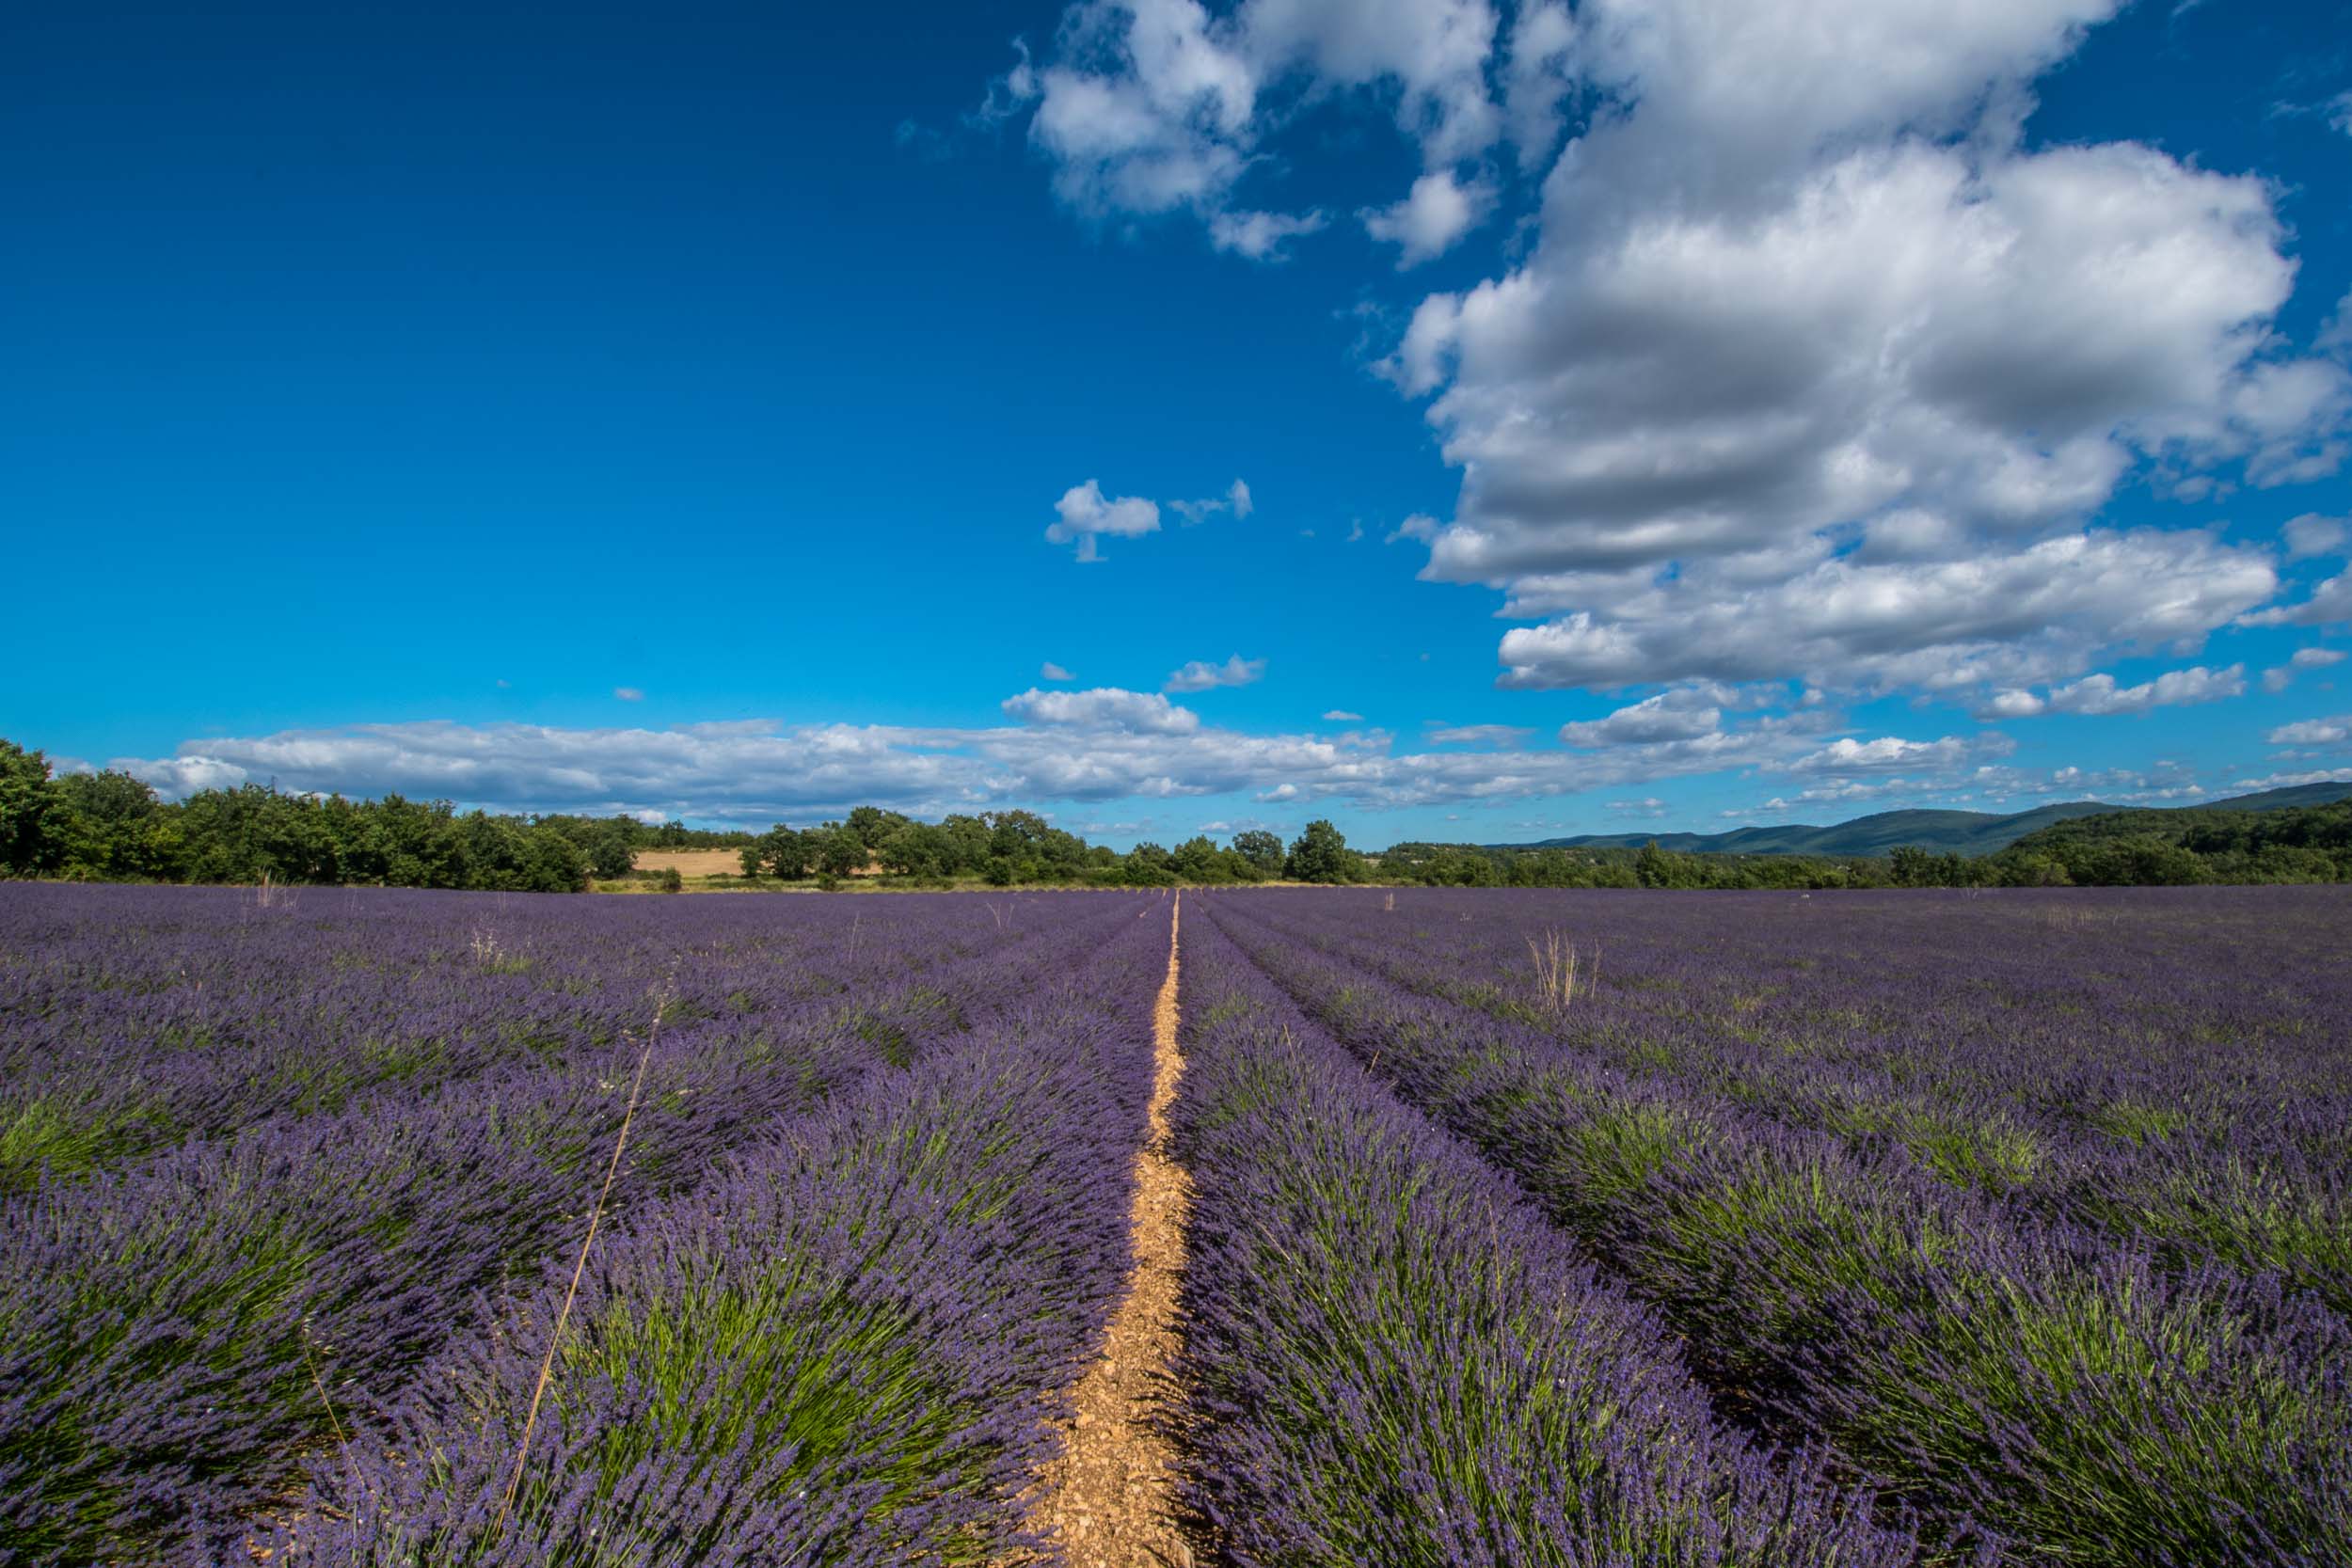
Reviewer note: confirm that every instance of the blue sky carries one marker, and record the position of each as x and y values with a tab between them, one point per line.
1654	412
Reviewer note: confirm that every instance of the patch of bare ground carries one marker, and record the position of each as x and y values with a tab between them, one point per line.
691	862
1108	1498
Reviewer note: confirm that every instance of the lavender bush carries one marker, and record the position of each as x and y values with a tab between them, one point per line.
176	1324
2084	1398
845	1347
1392	1359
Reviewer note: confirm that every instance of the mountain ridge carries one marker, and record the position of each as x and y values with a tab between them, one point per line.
1967	832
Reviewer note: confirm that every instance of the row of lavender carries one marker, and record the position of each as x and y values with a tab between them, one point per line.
2107	1393
185	1328
1391	1357
2172	1066
140	1017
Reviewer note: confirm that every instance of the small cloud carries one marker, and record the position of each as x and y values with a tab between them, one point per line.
1261	236
1500	735
2313	732
1199	676
2282	677
1341	715
1236	500
1648	806
628	694
2312	534
1085	513
1052	672
1355	530
506	685
1105	707
1435	214
1419	526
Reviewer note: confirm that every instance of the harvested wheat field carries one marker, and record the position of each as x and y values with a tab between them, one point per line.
691	862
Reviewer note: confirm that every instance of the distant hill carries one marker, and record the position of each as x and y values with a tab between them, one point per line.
1969	832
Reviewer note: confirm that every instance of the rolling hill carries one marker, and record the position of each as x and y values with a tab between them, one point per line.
1970	833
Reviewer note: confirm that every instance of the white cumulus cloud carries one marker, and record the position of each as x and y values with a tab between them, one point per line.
1807	333
1104	707
1235	500
1151	107
1435	214
2313	732
2312	534
1200	675
2102	694
1084	512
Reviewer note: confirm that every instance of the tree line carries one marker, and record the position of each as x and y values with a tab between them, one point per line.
1009	848
110	826
2171	847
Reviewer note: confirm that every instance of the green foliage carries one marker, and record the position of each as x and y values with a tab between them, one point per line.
1320	854
1150	865
2145	848
874	826
835	851
30	813
1196	859
1261	850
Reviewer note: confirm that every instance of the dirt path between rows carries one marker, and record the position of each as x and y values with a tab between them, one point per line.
1109	1497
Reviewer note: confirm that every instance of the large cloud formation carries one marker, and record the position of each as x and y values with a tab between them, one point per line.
1816	369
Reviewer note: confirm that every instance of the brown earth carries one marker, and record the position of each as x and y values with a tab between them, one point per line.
1108	1498
691	862
712	863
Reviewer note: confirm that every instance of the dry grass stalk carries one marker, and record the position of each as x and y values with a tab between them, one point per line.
1390	902
1559	972
579	1267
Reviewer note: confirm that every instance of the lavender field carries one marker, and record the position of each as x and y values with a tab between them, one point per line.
1534	1228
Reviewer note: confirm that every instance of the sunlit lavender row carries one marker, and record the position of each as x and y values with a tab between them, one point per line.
2030	1209
369	1131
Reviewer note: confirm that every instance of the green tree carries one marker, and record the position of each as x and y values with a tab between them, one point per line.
837	851
31	812
612	847
965	840
1195	860
872	824
1261	850
914	849
1149	865
109	827
785	853
1320	854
